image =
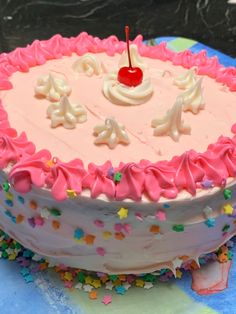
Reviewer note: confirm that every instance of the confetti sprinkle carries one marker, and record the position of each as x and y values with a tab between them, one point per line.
6	186
31	222
56	224
117	176
96	283
93	295
39	221
118	227
207	211
78	233
210	222
207	184
9	196
98	223
107	299
139	217
119	236
109	285
45	213
160	215
178	228
147	285
87	288
71	193
100	251
19	219
33	205
154	229
139	283
226	228
120	290
106	235
123	213
89	239
20	199
55	212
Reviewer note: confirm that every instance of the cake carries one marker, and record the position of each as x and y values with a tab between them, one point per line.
99	175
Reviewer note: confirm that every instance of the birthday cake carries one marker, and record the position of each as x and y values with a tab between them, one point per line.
116	159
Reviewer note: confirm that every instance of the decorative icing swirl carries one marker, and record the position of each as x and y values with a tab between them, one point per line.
186	80
193	98
52	88
120	94
65	113
171	124
97	180
111	133
135	57
89	64
65	176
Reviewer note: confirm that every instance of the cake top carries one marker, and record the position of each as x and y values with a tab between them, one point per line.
125	176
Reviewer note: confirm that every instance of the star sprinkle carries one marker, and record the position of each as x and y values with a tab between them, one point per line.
109	285
126	285
147	285
71	193
89	239
88	280
177	262
228	209
6	186
45	213
107	299
207	211
117	176
178	274
93	295
96	283
210	222
160	215
154	229
139	283
227	194
123	213
28	278
120	290
87	288
178	228
79	286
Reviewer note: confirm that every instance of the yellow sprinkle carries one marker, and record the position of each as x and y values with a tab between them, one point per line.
68	276
79	241
123	213
88	280
96	283
117	282
178	273
228	209
139	283
106	235
71	193
12	257
50	163
9	196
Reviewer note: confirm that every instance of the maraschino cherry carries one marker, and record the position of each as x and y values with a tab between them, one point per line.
130	76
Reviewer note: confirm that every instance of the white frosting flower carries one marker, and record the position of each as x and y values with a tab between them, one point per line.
89	64
111	133
172	123
193	98
121	94
65	113
52	88
135	57
186	80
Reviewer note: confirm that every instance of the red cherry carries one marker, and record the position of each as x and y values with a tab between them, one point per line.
130	76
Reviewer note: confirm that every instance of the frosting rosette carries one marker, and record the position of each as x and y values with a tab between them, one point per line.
123	95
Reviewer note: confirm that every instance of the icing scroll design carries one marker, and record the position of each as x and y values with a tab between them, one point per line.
52	88
120	94
89	65
185	80
66	114
193	98
111	133
172	123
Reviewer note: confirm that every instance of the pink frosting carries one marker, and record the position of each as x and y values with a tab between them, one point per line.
65	176
98	180
164	178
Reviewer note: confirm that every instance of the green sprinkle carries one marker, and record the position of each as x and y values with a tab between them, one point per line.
18	246
4	255
81	277
55	212
225	228
178	228
227	194
6	186
113	277
149	277
4	245
117	176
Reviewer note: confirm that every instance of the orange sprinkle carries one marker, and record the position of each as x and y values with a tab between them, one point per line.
122	277
119	236
89	239
19	219
33	204
117	282
93	295
154	229
56	224
194	265
43	266
184	257
235	221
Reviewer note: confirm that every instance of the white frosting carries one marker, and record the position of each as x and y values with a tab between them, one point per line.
193	98
186	80
111	133
66	114
172	123
52	88
121	94
135	58
89	64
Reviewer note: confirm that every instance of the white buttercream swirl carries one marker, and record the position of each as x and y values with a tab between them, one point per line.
172	123
89	64
135	57
52	88
193	98
111	133
186	80
121	94
66	114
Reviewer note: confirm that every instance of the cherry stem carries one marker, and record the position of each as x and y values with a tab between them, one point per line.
127	42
